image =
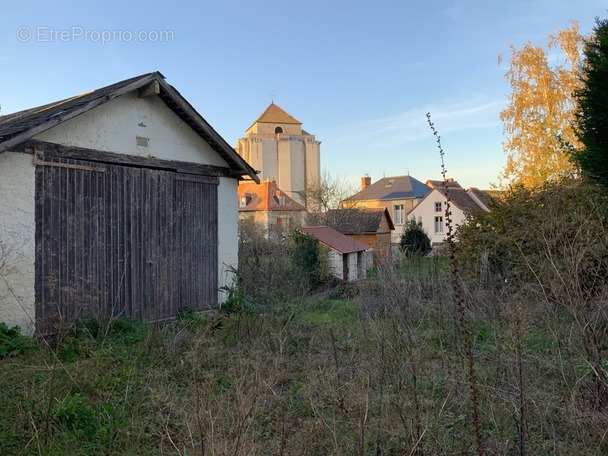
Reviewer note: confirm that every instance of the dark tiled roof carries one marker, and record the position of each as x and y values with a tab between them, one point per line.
358	221
334	239
264	197
460	198
398	187
447	183
18	127
486	198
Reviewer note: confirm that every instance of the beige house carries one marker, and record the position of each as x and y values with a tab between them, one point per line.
398	195
282	151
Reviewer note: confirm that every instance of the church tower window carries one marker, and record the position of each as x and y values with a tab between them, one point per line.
278	130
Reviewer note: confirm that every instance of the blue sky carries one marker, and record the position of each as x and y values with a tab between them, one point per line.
360	75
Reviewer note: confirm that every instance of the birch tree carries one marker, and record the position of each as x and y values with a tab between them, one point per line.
540	115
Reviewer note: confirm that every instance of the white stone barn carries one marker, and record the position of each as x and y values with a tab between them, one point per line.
116	202
348	258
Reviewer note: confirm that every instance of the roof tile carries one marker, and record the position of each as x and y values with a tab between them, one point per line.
266	196
334	239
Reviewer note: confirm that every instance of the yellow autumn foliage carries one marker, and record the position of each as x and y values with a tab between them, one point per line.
539	117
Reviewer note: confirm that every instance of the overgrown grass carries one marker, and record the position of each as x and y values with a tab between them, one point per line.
375	370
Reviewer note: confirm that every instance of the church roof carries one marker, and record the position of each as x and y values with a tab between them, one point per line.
275	114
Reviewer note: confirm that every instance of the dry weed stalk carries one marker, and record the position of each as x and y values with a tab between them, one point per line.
458	296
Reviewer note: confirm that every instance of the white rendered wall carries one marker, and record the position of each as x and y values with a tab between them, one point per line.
313	161
297	168
115	125
17	240
353	267
335	264
426	211
284	163
228	235
270	161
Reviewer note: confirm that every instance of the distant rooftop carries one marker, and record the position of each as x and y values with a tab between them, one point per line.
265	196
358	220
334	239
387	188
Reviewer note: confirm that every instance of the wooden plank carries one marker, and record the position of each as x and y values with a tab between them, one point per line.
40	162
135	242
46	149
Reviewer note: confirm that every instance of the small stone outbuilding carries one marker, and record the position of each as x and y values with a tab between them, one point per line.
347	257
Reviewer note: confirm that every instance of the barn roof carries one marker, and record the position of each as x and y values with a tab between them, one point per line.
334	239
20	126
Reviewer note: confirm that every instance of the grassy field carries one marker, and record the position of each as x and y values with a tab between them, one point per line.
376	368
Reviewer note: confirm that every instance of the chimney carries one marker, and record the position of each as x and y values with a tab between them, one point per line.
366	181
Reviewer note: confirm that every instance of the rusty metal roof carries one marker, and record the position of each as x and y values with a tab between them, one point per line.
18	127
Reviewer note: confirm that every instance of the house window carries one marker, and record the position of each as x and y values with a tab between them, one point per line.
438	224
243	201
438	206
399	214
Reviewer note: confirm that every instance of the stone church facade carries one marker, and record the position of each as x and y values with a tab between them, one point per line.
282	151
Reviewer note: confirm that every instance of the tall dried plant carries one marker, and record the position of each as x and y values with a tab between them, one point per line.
458	296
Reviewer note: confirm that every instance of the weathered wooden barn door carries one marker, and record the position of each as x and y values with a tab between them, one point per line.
122	241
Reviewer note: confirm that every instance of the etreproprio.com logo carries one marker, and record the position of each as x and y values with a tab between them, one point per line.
45	34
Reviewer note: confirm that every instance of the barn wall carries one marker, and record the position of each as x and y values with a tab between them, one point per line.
228	236
353	266
115	125
336	267
17	240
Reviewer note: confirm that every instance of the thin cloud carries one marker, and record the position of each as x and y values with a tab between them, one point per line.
411	125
